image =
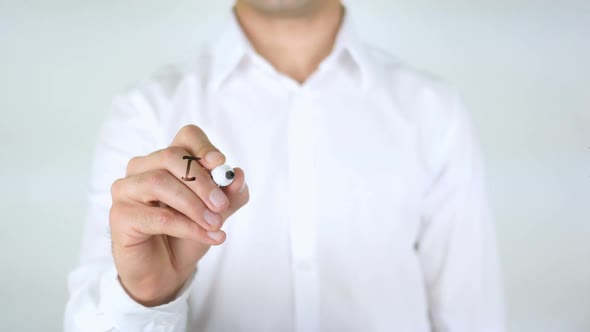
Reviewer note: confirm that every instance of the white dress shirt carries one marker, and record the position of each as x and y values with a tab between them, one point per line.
367	203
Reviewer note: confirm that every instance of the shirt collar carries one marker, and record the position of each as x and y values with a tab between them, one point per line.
348	42
227	51
233	46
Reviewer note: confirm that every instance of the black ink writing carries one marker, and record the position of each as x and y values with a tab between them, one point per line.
188	167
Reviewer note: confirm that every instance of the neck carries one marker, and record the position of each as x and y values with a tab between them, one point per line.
294	45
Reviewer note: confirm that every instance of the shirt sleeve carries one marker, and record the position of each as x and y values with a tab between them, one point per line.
456	242
97	301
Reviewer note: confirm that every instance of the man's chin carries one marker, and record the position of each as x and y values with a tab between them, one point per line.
285	8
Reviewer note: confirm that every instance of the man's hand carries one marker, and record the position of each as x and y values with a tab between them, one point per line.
161	225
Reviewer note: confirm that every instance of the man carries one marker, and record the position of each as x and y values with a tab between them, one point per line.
365	207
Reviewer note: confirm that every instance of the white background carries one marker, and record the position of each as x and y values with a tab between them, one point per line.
523	68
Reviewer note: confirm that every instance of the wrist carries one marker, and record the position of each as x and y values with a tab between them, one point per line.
150	294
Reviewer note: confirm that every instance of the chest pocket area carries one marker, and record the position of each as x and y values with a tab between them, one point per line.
364	169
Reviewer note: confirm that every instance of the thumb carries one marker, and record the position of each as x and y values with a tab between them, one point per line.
237	192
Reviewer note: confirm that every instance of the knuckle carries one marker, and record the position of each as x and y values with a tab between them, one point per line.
144	219
117	188
171	155
154	220
189	132
116	214
164	217
155	178
132	164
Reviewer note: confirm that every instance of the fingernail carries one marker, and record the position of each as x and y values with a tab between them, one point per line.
211	218
243	186
213	156
217	236
218	198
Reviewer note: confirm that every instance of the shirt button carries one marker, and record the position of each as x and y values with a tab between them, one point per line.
302	265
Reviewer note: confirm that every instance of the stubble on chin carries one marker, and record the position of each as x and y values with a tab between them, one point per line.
285	8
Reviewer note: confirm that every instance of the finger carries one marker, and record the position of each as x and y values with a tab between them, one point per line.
194	140
132	224
192	174
237	192
161	186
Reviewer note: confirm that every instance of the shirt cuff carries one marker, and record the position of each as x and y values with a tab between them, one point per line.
128	315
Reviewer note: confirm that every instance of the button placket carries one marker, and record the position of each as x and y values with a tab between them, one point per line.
302	210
